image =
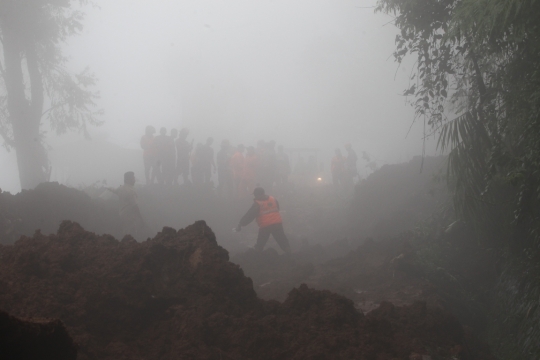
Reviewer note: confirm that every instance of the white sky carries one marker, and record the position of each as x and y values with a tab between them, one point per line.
307	73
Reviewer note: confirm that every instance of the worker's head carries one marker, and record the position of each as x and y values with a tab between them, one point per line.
209	141
280	148
150	130
259	193
129	178
348	146
163	131
250	151
174	133
241	148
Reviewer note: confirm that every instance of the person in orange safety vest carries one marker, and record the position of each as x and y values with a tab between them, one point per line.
265	210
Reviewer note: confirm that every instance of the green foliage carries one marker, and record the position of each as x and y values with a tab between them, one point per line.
477	84
517	310
479	60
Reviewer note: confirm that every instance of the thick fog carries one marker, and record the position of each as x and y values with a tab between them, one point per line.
308	74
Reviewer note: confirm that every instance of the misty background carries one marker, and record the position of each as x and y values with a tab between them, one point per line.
308	74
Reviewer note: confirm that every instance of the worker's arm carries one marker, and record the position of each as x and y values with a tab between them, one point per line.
251	215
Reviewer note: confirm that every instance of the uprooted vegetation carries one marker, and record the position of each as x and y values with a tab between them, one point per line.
178	296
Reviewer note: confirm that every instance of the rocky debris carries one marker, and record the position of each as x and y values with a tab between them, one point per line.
375	271
36	339
177	296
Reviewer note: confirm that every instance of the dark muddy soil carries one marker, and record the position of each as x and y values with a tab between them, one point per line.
46	206
393	270
35	339
178	296
376	271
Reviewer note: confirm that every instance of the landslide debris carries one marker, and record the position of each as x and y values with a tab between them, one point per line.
177	296
394	198
36	339
46	206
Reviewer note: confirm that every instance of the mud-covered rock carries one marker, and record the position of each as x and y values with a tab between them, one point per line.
177	296
36	339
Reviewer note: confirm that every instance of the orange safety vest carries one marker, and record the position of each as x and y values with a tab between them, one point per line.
268	212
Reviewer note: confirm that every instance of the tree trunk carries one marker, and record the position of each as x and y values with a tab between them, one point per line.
25	115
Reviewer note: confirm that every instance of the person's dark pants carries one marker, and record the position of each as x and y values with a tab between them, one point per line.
277	232
182	169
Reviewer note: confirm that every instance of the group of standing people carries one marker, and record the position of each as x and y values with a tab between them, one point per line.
344	169
240	169
169	157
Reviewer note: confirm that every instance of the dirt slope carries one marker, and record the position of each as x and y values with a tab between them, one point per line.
178	296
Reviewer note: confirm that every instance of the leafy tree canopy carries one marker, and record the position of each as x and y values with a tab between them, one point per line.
479	60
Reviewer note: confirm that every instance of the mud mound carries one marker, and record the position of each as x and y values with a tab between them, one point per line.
178	296
34	339
395	197
47	206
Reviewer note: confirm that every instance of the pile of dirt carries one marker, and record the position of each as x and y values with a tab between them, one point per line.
36	339
96	209
178	296
46	206
395	197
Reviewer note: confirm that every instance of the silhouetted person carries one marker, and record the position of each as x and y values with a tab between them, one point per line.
338	169
224	172
174	137
237	168
168	165
271	165
265	210
149	153
207	160
183	151
162	146
283	166
197	167
260	151
251	167
130	215
350	164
